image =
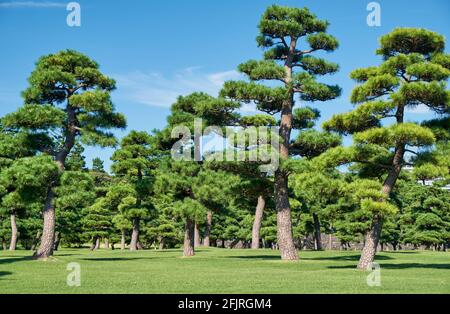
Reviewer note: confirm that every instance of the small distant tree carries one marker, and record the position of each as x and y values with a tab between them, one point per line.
132	162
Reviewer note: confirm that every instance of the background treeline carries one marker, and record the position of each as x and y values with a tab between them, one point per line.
357	193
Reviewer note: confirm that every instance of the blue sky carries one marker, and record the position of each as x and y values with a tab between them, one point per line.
157	50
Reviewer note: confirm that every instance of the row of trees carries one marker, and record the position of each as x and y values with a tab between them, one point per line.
152	199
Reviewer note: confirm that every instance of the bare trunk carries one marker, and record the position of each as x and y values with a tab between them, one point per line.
122	241
257	222
97	243
206	240
370	246
36	241
134	235
162	243
189	230
13	243
5	247
94	242
284	223
317	234
48	231
107	243
197	242
57	240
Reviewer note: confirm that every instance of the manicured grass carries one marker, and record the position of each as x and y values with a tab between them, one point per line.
223	271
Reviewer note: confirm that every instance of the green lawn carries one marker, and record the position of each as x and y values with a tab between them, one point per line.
223	271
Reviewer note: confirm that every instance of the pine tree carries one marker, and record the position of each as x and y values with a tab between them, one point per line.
132	162
68	98
413	73
282	31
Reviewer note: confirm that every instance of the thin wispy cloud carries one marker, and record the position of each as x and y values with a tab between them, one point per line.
155	89
419	109
32	4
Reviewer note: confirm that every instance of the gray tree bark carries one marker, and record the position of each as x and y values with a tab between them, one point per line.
317	233
14	232
134	235
259	212
189	230
197	239
206	240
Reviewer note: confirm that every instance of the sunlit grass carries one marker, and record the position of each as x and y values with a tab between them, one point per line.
223	271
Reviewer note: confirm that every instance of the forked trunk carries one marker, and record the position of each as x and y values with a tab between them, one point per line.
122	241
284	223
134	235
257	222
317	234
206	240
14	233
188	249
48	231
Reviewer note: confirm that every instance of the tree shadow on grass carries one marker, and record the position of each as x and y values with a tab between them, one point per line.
260	257
399	266
8	260
115	259
343	258
4	273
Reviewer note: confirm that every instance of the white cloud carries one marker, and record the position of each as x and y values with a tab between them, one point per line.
32	4
154	89
420	109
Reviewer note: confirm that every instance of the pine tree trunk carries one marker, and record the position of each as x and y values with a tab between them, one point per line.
371	243
257	221
36	241
14	233
206	240
94	241
284	223
283	208
134	235
57	240
317	233
48	231
162	243
197	242
97	243
372	236
4	245
107	243
122	241
189	230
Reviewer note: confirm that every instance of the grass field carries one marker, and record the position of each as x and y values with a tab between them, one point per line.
223	271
